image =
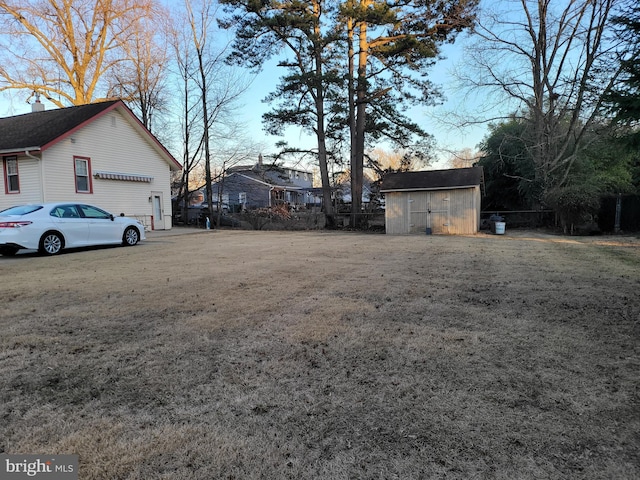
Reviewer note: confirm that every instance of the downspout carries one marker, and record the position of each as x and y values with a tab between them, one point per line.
42	192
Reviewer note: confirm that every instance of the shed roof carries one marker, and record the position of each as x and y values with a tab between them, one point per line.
432	179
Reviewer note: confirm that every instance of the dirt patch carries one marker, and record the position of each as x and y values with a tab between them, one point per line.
234	354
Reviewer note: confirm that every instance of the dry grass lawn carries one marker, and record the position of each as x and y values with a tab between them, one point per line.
317	355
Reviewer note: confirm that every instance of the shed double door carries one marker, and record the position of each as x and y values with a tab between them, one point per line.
429	210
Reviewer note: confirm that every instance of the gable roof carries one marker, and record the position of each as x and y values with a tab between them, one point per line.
432	179
266	175
272	181
38	131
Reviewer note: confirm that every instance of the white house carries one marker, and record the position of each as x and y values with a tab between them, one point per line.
98	153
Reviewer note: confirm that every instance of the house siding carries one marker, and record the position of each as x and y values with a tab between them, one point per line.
234	184
29	176
112	145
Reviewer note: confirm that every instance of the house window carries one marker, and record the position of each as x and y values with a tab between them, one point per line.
11	179
242	198
225	199
82	168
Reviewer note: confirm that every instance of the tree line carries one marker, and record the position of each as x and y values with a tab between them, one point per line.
352	69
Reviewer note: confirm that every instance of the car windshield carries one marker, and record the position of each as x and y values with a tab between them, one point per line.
20	210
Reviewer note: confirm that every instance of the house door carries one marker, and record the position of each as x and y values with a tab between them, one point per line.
158	210
429	210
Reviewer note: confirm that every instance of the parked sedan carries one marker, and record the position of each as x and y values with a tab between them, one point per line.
51	227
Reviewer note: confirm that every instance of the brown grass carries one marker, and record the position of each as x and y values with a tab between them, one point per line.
246	355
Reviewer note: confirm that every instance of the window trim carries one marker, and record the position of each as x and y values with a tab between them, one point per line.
76	176
7	184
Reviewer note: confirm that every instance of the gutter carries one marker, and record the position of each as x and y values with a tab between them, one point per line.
19	150
26	152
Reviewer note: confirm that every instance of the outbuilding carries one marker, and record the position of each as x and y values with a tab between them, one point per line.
433	201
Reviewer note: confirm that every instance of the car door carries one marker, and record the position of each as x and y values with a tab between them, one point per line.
102	228
69	221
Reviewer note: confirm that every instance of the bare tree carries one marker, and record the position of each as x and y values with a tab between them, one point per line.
211	91
464	158
64	50
189	108
141	81
551	62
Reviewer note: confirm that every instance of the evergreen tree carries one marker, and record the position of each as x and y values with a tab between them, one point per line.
356	66
625	96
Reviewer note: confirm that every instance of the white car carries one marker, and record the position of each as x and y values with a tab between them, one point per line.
51	227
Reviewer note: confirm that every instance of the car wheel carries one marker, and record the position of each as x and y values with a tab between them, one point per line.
8	251
51	243
130	237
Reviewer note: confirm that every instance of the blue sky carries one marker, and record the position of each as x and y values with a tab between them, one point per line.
432	119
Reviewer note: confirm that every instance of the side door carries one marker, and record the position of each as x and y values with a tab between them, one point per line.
158	210
69	221
102	228
418	211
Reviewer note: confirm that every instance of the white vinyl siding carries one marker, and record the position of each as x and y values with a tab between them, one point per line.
112	146
30	184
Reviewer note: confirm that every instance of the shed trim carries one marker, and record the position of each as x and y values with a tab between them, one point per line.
427	189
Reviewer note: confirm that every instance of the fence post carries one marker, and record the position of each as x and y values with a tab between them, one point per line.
616	226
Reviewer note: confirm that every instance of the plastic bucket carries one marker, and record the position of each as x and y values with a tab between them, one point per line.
500	226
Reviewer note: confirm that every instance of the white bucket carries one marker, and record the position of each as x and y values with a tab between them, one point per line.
500	228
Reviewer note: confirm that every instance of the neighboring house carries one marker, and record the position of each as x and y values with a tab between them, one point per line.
343	190
262	185
98	153
437	201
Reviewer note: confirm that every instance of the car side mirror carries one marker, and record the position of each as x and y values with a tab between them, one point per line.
111	217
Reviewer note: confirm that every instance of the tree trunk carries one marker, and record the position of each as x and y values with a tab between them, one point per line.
357	165
320	128
207	155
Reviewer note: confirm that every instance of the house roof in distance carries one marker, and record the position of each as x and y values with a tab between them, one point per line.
432	179
37	131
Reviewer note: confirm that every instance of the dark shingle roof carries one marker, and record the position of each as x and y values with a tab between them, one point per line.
432	179
37	129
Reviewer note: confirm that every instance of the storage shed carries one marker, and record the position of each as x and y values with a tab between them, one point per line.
434	201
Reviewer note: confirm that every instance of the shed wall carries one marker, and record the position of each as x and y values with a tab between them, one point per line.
453	211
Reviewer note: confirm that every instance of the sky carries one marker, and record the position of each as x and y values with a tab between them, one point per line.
431	119
435	120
